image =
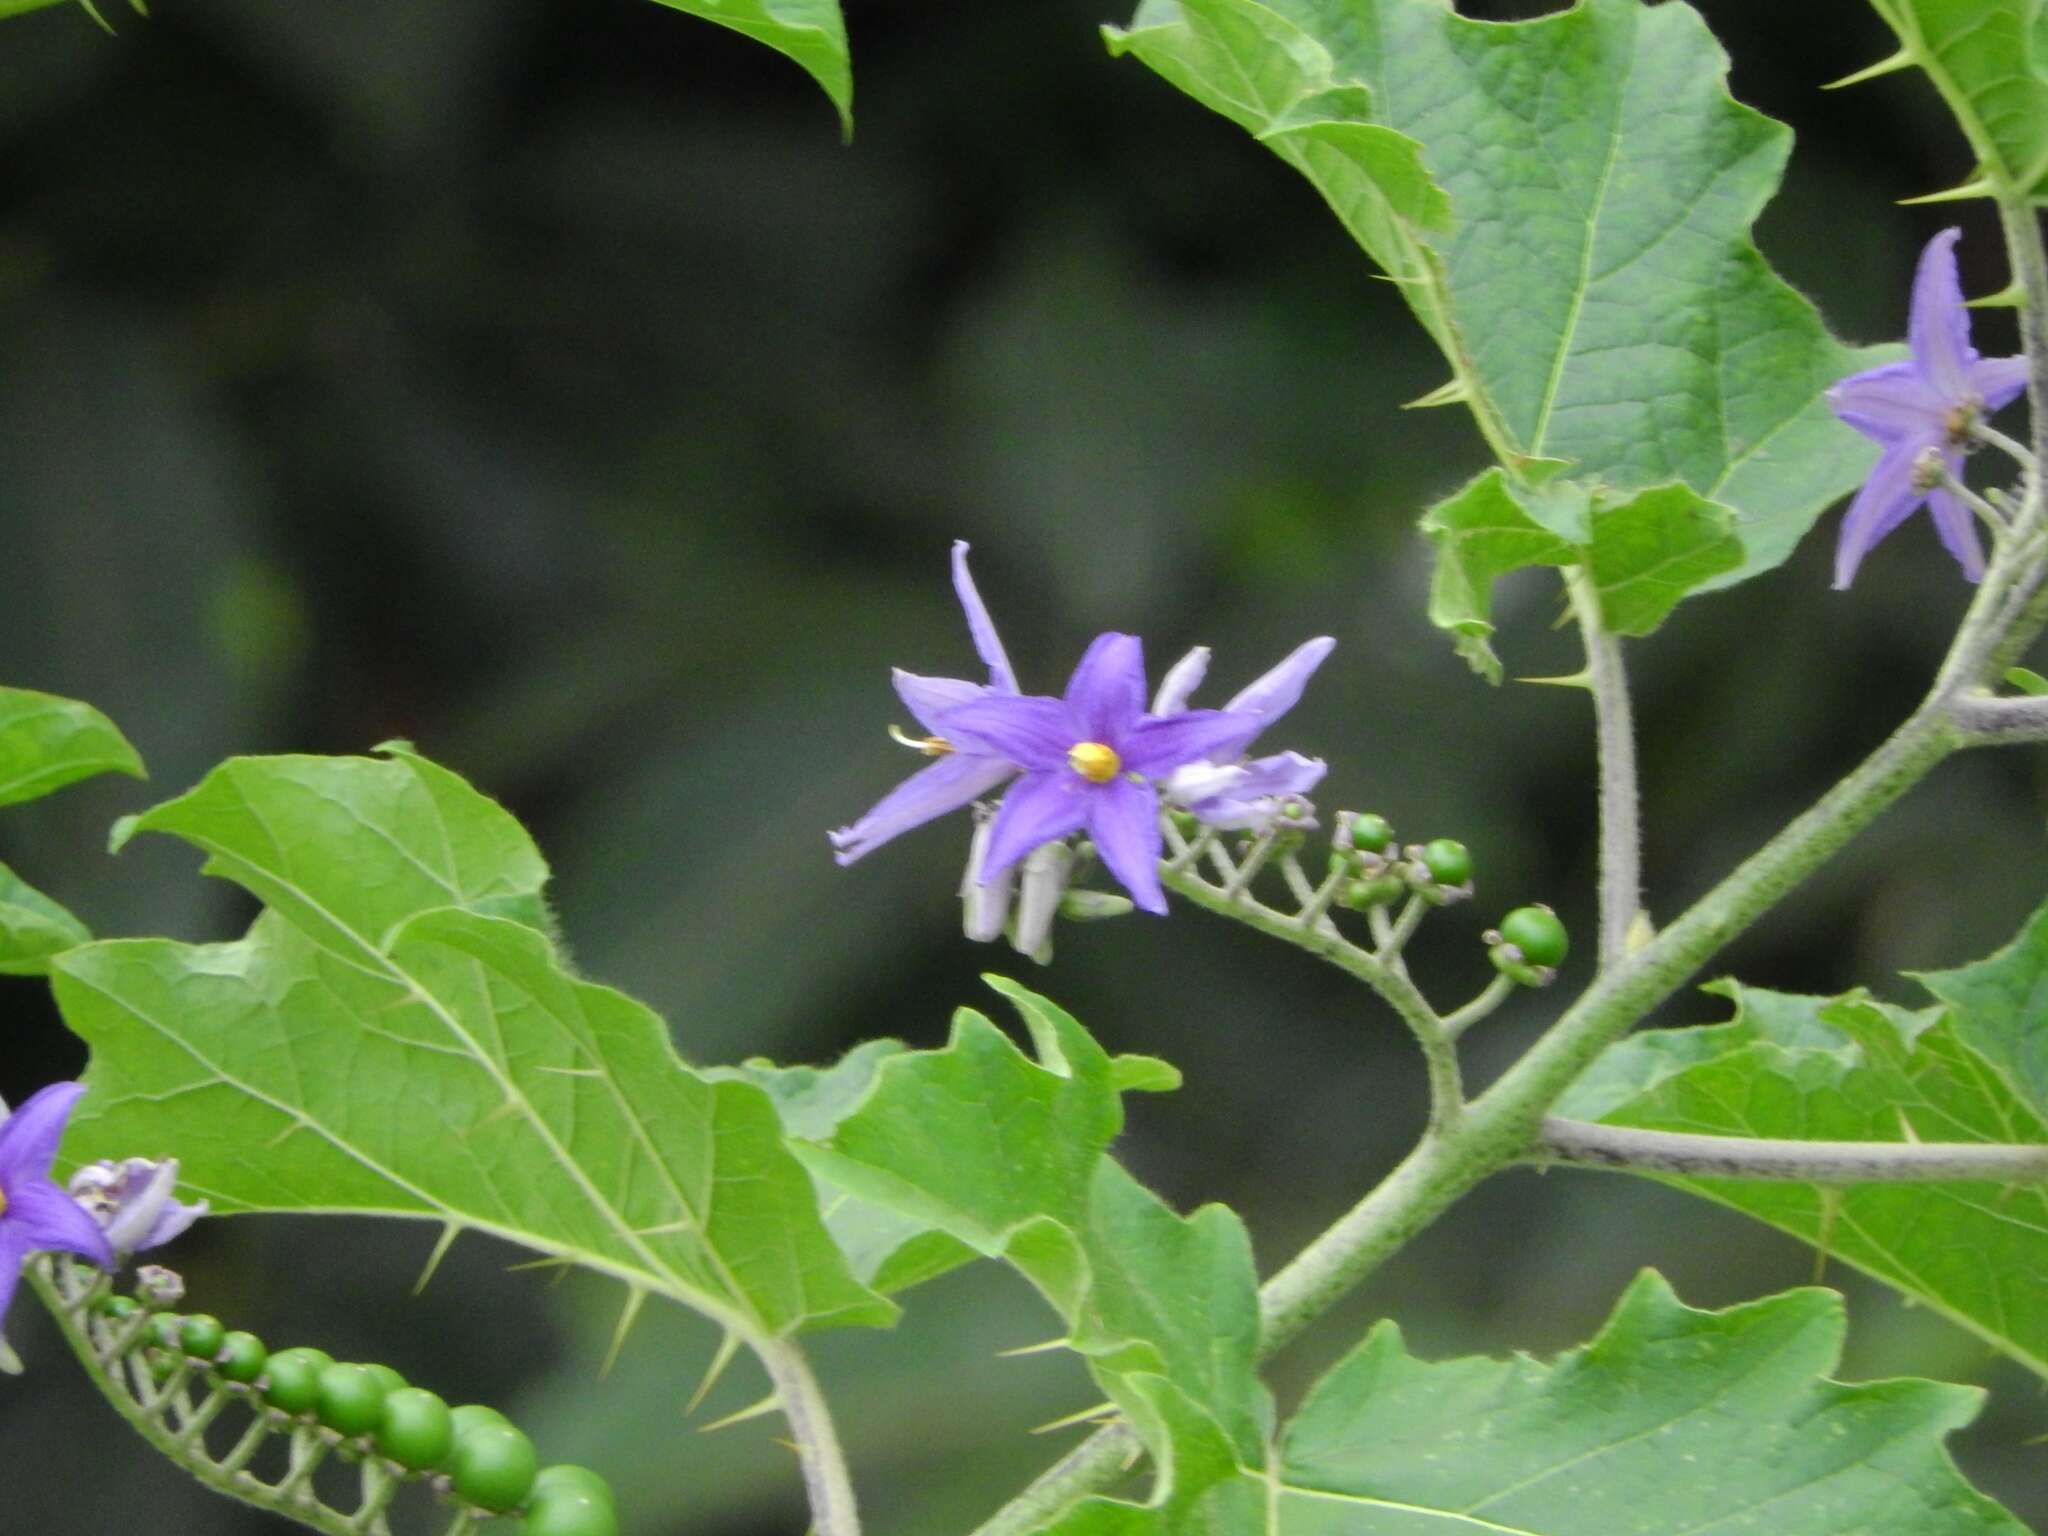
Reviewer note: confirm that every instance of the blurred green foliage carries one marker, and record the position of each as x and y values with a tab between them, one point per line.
545	383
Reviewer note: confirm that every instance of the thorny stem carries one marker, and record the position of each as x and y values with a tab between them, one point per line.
1503	1126
1621	875
826	1479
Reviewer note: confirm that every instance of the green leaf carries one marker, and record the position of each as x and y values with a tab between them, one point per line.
1672	1421
1144	1074
1653	549
1481	534
2000	1008
47	742
1853	1069
396	1035
1989	60
812	32
1006	1153
32	927
1596	292
1644	554
2027	680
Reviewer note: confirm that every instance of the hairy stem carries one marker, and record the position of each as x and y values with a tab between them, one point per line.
1621	875
1803	1162
826	1479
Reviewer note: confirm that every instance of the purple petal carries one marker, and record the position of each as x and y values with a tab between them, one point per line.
1123	818
1279	689
1884	502
29	1136
929	697
932	791
12	1251
1180	682
1997	381
1957	524
1889	403
1107	691
1283	773
986	644
1038	808
45	1217
1031	731
1155	746
1938	329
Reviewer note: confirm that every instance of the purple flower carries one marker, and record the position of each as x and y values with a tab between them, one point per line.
34	1213
1244	794
1921	411
1088	762
132	1201
962	773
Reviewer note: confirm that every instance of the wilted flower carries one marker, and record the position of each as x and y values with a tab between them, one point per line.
132	1201
1922	411
962	773
35	1214
1089	759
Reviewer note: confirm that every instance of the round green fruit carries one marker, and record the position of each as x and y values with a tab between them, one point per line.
350	1400
166	1331
117	1308
1537	933
469	1415
565	1478
388	1378
241	1357
291	1378
1448	861
493	1467
201	1336
417	1430
1370	833
573	1513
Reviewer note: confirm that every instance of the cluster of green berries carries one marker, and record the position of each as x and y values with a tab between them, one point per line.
1527	947
1382	871
472	1453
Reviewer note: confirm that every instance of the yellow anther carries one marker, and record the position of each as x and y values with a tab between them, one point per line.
3	1201
1094	761
930	746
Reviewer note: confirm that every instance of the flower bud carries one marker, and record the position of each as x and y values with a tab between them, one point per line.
984	908
1087	906
1046	869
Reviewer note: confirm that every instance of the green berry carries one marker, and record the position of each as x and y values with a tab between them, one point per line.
162	1363
350	1400
1376	892
493	1467
201	1336
1370	833
417	1430
117	1308
566	1478
1448	861
469	1415
1339	862
164	1331
573	1513
1518	971
241	1357
389	1379
1537	933
291	1378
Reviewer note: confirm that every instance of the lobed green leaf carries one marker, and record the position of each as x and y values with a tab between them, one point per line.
32	927
398	1035
1989	60
1582	250
1854	1069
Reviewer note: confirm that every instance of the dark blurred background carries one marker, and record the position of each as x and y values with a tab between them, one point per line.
545	383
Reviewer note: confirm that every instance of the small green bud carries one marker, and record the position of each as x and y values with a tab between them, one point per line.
1376	892
117	1308
165	1331
241	1357
201	1336
1086	906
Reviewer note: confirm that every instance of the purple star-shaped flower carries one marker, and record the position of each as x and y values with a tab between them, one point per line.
1088	760
1231	794
1921	411
962	773
34	1213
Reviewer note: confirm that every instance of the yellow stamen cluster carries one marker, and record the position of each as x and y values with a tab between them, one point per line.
1094	761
